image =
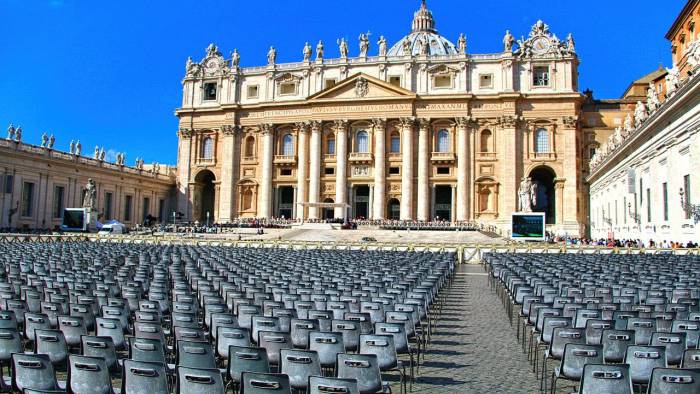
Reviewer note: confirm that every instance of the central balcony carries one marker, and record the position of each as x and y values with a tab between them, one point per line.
356	157
285	160
442	157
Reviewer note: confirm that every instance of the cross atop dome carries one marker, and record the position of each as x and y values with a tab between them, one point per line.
423	20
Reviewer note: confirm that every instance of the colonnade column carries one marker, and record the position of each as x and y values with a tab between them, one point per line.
462	168
423	170
184	197
407	168
314	168
341	154
226	194
300	195
379	169
265	211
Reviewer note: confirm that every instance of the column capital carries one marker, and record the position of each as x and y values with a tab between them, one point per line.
570	121
466	122
408	121
379	123
302	127
316	125
509	121
341	125
229	130
266	128
185	133
424	123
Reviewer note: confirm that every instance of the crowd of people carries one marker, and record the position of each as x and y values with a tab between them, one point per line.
619	243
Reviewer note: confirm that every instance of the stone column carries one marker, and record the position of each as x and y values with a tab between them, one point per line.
559	204
407	168
183	177
265	210
453	213
565	148
510	171
302	157
379	197
227	185
341	154
314	168
423	170
462	168
370	203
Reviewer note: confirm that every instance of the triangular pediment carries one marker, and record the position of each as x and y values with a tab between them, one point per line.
362	86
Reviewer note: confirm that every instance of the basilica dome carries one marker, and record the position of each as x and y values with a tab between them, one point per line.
423	31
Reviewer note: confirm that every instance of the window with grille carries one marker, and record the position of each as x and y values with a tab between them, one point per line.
330	146
485	140
208	148
395	143
540	76
58	197
210	91
542	141
362	142
28	199
127	208
288	145
443	141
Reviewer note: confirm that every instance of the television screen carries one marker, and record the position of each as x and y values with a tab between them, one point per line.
73	219
528	226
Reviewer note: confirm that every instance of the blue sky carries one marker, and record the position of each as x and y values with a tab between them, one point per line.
109	72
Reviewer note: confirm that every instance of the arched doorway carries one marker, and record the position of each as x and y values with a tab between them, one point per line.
545	202
393	209
328	212
204	197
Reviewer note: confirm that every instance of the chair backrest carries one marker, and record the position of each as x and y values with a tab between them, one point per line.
230	336
149	330
273	342
72	328
88	375
10	342
328	345
692	330
33	371
195	355
111	328
141	377
8	320
320	385
642	360
53	344
146	349
562	336
264	323
610	378
615	343
300	329
595	328
264	383
691	358
351	333
674	381
674	343
33	322
643	328
199	380
190	334
550	323
398	331
95	346
299	365
577	355
243	358
361	367
381	346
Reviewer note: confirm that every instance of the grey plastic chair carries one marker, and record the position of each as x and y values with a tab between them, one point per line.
609	378
364	369
674	381
141	377
321	385
264	383
299	365
199	381
88	375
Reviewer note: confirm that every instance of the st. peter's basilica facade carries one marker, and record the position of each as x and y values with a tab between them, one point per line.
419	130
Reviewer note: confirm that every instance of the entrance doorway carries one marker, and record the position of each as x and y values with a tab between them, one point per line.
546	199
394	209
328	213
443	202
205	185
285	207
361	202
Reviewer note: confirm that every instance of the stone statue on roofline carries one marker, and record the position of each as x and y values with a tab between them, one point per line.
364	44
462	44
52	140
382	46
343	47
44	140
319	50
71	147
629	125
271	56
18	134
640	114
102	154
673	79
11	132
235	58
96	155
78	148
570	46
306	52
653	102
508	41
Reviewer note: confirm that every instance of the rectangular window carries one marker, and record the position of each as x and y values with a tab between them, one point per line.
108	205
540	76
442	81
394	171
9	180
664	195
331	147
329	83
395	80
648	205
329	171
146	208
127	208
686	194
443	170
58	193
288	88
486	81
161	210
210	91
27	199
286	172
395	144
253	91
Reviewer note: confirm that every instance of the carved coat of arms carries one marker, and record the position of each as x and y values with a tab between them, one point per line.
361	87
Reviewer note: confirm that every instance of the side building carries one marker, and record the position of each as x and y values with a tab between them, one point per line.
422	130
39	182
644	177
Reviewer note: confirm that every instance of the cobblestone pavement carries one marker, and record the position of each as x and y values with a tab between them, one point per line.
474	348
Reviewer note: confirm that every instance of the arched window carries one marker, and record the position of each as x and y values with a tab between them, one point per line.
287	145
541	141
208	148
485	140
443	141
250	146
330	145
362	142
395	142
